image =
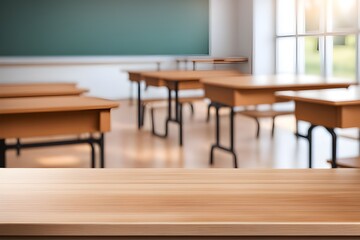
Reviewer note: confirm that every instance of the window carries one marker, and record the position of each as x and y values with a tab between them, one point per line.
318	37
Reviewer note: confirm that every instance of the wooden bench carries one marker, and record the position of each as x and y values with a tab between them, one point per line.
183	100
258	114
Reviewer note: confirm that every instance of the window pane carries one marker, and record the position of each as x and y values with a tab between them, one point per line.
309	16
286	20
310	49
342	15
286	55
341	56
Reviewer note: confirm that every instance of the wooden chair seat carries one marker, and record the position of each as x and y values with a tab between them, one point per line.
182	100
257	114
265	113
353	162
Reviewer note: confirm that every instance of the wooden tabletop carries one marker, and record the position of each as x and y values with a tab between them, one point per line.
39	90
53	104
183	75
217	60
334	97
179	202
277	82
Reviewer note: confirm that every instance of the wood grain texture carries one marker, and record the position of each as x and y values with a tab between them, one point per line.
334	108
254	90
53	104
277	82
331	97
219	60
184	75
39	90
177	202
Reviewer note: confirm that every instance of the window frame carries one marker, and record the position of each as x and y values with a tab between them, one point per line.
323	33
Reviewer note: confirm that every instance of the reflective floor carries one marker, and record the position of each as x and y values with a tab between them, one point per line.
126	147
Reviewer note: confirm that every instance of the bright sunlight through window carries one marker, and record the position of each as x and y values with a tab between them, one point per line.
318	37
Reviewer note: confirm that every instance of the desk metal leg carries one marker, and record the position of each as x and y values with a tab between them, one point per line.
93	165
209	112
334	146
167	120
178	115
2	153
180	124
102	150
18	147
218	145
131	94
309	138
139	106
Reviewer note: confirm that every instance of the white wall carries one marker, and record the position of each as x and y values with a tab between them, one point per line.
231	34
264	37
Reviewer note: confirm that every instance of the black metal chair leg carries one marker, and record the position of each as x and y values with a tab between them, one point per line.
217	134
180	124
139	105
93	162
257	128
334	146
18	147
2	153
309	138
232	131
192	109
273	127
217	144
143	111
209	112
102	150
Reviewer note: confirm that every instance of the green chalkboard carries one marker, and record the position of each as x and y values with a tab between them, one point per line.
103	27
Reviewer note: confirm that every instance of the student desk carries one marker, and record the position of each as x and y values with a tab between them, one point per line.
180	80
18	90
178	203
136	77
228	60
48	116
39	90
336	108
212	60
254	90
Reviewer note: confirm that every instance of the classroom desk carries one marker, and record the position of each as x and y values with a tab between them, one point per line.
228	60
178	203
212	60
49	116
175	81
16	90
39	90
336	108
136	77
254	90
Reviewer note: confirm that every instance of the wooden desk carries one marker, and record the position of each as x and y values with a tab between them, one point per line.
253	90
175	81
213	60
39	90
174	203
48	116
336	108
136	77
